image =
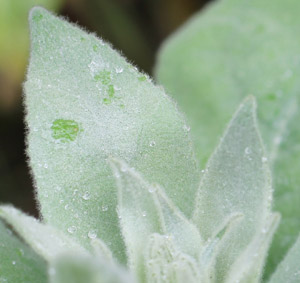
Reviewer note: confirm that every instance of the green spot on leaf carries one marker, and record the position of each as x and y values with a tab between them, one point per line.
142	78
37	17
107	101
95	48
65	130
111	91
103	77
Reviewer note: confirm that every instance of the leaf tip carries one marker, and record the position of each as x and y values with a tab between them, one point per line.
36	14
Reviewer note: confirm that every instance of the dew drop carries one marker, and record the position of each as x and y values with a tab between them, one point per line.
104	207
66	207
264	159
119	70
13	262
123	168
144	213
152	189
58	188
45	165
86	195
186	128
72	229
247	150
92	234
152	143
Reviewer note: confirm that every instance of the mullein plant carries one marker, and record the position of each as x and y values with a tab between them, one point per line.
121	193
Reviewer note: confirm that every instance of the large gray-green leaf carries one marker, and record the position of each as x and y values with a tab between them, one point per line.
288	270
86	102
18	262
144	209
236	180
83	269
233	49
45	240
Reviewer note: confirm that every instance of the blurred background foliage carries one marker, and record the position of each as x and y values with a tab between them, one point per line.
136	27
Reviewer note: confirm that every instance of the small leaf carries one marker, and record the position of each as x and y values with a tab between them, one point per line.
213	246
289	269
45	240
236	181
85	102
137	211
84	269
165	263
18	262
249	266
183	232
144	209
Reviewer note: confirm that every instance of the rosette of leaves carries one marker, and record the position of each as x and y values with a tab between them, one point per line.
120	193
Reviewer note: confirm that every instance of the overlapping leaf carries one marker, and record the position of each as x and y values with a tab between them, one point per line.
45	240
165	263
18	262
145	210
232	49
85	103
236	181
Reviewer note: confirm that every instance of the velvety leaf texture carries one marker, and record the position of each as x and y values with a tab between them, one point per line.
145	210
236	180
230	50
84	103
18	262
45	240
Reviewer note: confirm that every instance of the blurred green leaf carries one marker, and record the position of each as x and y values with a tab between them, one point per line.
18	262
233	49
289	269
14	40
83	269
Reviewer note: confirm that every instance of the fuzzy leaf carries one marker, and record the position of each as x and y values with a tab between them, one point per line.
18	262
138	215
236	181
85	103
213	246
249	266
165	263
82	269
45	240
184	233
144	209
100	250
232	49
289	269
